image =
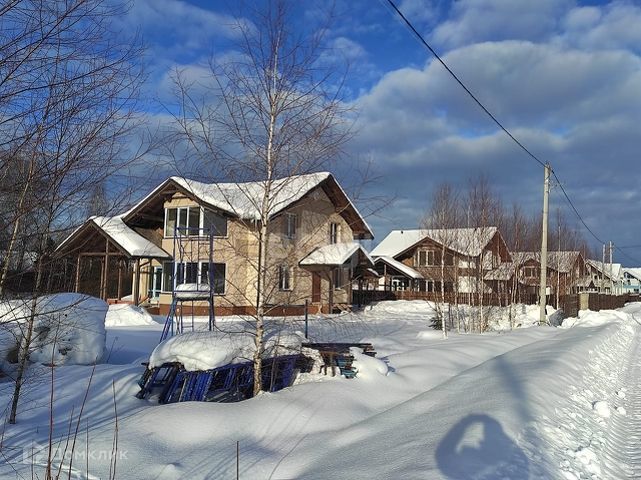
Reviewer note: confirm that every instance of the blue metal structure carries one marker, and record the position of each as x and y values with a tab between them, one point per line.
189	243
229	383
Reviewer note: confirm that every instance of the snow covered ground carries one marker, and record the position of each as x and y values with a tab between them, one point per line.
540	402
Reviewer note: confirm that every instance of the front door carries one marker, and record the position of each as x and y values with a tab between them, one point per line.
316	288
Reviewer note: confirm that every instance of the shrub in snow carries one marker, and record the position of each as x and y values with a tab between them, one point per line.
68	328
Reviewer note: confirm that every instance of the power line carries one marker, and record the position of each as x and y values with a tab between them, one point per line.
458	80
501	126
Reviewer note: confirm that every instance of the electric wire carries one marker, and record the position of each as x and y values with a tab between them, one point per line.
422	40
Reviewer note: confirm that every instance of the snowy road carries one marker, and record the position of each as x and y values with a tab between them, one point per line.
622	449
535	403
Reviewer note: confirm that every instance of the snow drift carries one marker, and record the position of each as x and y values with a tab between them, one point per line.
69	328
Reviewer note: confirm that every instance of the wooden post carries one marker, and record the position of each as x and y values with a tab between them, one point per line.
119	278
137	282
102	278
77	286
105	290
331	291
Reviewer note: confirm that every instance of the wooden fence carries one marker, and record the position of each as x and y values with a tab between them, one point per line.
365	297
570	304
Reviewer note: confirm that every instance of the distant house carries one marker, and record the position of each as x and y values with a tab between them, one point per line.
606	277
188	235
631	280
567	272
412	260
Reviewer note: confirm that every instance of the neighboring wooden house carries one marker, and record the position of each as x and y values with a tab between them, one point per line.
566	272
606	277
164	242
411	260
631	280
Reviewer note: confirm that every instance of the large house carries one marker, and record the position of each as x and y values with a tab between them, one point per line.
190	236
461	258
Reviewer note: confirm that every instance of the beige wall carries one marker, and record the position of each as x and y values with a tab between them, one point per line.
239	251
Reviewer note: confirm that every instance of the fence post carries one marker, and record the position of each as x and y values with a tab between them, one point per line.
306	318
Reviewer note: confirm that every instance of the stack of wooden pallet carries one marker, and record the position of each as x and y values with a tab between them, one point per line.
338	356
229	383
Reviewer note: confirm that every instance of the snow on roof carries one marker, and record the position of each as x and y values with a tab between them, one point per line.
561	261
401	267
244	199
503	272
617	268
467	241
334	254
130	241
633	271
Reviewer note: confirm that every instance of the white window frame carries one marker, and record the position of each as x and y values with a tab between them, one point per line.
334	233
178	209
290	228
288	285
163	287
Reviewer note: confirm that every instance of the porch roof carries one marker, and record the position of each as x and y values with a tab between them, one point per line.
335	254
127	240
401	267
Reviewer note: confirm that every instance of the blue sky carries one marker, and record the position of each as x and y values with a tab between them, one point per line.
563	76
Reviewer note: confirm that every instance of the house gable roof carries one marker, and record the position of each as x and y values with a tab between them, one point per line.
243	199
123	237
562	261
334	254
633	271
399	266
604	268
466	241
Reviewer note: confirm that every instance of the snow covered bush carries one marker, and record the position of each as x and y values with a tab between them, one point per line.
68	328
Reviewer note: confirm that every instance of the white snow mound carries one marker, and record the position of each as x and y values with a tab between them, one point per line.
126	315
209	350
601	408
367	367
69	328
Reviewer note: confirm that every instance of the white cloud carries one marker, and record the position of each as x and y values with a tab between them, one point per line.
488	20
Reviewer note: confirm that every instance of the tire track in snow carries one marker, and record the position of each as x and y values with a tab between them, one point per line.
621	455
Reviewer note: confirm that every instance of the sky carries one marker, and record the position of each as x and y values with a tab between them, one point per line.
563	76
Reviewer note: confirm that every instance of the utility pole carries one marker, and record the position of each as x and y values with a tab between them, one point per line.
544	247
611	279
602	289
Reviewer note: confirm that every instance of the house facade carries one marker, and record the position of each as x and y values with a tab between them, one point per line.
419	260
201	241
605	277
632	280
567	272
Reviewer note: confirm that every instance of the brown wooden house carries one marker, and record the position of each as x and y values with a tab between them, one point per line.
468	255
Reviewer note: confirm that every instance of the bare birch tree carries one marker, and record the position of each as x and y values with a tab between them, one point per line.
443	216
272	111
68	89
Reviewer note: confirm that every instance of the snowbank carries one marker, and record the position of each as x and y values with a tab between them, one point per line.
368	368
125	315
69	328
208	350
588	318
